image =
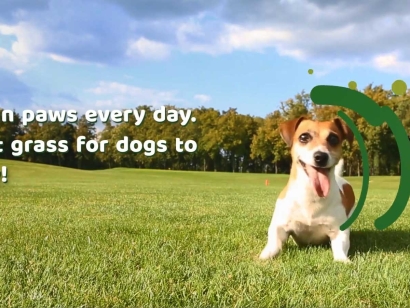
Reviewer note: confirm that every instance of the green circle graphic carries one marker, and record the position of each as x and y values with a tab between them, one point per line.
375	115
310	71
352	85
399	87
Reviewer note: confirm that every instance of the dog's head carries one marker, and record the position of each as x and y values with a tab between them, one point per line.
317	147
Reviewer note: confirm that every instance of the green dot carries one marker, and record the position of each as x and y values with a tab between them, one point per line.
353	85
399	87
310	71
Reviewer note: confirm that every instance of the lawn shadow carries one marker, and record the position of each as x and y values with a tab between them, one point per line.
363	241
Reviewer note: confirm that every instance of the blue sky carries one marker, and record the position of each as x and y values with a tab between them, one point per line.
246	54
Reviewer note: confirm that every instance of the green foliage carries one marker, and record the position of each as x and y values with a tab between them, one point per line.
226	140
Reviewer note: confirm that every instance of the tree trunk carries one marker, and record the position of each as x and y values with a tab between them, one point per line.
376	164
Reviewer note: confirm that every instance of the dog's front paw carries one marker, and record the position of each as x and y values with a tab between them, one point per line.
268	253
345	260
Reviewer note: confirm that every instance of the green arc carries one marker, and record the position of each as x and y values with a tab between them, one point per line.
375	115
366	171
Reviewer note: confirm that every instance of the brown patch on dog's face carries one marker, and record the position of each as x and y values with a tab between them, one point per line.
287	129
344	130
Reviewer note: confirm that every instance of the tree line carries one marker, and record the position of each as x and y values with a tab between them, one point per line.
227	141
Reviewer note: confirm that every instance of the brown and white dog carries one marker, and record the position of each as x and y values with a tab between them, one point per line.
316	200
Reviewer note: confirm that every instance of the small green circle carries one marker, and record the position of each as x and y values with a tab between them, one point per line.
399	87
310	71
352	85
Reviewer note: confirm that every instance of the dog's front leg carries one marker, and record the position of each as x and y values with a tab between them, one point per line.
340	246
277	236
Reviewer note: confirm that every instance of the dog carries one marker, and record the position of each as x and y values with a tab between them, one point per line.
317	200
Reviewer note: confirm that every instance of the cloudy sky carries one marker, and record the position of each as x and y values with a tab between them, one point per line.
248	54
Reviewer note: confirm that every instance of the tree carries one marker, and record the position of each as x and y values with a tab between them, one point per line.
107	157
86	129
9	131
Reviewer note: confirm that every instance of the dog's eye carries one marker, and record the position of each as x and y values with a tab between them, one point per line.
333	139
304	138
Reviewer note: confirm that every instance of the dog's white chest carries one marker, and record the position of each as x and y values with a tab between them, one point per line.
314	223
313	232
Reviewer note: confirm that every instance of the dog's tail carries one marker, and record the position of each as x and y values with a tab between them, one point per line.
339	167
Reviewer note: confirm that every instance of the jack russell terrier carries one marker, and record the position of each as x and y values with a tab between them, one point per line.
316	200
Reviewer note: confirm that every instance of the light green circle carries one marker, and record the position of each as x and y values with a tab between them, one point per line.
310	71
399	87
352	85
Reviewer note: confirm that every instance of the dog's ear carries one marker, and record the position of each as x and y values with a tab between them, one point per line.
287	129
345	130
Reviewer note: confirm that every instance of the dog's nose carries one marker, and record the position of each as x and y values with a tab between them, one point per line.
321	158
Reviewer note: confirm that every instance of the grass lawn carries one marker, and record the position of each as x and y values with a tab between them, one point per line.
145	238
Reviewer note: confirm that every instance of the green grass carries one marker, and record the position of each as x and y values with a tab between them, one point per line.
144	238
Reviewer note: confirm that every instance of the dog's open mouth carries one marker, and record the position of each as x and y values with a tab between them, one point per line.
319	177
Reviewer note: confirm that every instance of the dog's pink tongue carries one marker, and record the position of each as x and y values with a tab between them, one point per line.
319	179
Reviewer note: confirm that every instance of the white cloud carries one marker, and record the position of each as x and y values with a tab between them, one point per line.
230	38
202	98
67	60
240	38
29	39
144	48
106	103
391	63
28	42
9	61
317	31
296	53
61	59
124	94
28	46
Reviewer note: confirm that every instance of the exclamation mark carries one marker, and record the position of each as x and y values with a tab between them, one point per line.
4	174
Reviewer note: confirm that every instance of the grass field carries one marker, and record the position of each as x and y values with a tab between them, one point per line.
144	238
